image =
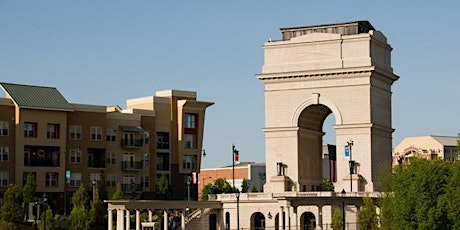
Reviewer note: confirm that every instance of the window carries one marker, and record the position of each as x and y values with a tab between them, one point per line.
30	129
4	179
75	180
52	131
111	180
51	179
75	156
189	141
145	181
26	175
190	120
4	128
111	158
162	140
146	159
4	154
75	132
189	162
111	134
162	161
96	133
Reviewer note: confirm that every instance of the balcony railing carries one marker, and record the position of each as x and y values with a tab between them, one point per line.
131	143
131	165
131	188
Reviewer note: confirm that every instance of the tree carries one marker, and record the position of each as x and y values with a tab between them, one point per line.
327	185
163	187
207	189
12	210
79	217
28	192
221	186
97	214
245	186
415	196
367	214
337	222
47	222
102	189
118	194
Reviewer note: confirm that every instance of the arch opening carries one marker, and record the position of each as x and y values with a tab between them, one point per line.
308	221
257	221
317	158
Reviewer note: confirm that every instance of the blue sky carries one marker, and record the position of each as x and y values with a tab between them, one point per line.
104	52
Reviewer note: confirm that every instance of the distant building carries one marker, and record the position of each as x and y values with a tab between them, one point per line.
426	147
64	144
253	172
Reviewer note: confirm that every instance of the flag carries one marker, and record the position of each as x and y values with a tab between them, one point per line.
236	155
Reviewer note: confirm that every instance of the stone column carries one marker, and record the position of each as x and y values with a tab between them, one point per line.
127	219
281	223
320	217
120	219
110	220
296	218
288	217
150	215
138	219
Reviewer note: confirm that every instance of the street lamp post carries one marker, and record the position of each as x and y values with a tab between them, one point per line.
237	209
94	189
351	164
189	180
234	151
45	199
343	207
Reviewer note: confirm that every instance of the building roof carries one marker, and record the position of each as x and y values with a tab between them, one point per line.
36	97
447	141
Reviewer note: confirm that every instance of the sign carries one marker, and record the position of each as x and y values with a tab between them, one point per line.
67	174
347	152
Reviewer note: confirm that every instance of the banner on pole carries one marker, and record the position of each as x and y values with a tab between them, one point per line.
347	152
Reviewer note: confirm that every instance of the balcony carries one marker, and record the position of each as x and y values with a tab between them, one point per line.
131	143
131	188
131	165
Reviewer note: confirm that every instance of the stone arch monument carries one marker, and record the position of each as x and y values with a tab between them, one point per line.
315	71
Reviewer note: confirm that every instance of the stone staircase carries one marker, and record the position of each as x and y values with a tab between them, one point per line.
195	221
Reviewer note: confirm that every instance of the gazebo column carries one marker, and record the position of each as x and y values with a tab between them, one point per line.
110	220
138	219
150	215
165	220
127	219
120	219
182	219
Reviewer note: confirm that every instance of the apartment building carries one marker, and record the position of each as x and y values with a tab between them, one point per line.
427	147
64	145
